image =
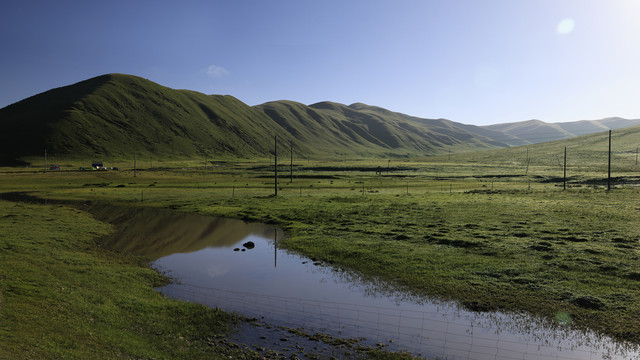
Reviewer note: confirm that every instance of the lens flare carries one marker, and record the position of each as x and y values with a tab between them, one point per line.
566	26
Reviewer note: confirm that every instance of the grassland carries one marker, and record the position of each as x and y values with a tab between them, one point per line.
62	296
113	115
491	231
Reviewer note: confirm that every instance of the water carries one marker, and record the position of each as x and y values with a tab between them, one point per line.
212	267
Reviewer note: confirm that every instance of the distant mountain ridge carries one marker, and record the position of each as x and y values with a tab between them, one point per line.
536	131
113	115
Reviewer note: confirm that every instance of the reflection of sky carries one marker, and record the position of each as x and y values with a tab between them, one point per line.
254	272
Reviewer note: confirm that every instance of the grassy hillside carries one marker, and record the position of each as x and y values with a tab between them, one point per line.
587	154
446	133
112	115
360	129
536	131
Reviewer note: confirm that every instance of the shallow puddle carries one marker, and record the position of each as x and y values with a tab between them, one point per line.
239	267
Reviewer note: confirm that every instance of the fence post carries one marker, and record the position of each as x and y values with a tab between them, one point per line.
564	182
609	165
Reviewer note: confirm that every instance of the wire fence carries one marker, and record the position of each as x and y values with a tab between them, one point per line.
446	333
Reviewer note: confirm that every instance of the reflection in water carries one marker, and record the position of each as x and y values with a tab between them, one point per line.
156	233
286	289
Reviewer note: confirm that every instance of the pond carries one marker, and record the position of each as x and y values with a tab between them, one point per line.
240	267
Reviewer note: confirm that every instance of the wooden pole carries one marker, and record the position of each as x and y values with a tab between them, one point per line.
564	183
134	163
609	166
291	170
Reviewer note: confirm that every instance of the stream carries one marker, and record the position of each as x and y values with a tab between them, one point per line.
239	267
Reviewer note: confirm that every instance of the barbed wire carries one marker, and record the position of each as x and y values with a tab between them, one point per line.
450	334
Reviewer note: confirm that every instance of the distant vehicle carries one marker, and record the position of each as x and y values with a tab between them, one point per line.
82	168
114	168
54	167
97	165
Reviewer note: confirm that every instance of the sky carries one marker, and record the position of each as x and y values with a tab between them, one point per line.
471	61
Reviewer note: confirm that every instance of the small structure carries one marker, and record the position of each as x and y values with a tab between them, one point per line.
97	165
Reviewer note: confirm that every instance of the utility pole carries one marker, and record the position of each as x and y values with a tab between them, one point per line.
564	183
45	160
275	162
291	170
134	162
609	166
637	148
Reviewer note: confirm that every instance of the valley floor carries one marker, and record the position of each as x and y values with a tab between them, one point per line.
487	240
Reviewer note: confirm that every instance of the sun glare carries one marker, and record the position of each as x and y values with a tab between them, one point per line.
566	26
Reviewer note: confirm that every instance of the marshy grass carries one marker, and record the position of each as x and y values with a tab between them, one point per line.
484	235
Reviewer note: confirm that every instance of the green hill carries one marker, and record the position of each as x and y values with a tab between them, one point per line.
113	115
536	131
585	153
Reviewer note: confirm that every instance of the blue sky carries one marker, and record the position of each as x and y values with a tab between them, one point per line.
471	61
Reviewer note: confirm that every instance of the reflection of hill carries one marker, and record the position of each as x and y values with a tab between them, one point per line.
157	232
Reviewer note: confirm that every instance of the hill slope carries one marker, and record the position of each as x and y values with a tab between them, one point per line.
361	129
113	115
536	131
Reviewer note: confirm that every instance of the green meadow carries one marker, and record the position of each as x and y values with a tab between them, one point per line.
497	230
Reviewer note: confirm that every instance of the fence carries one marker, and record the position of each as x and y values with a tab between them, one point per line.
447	332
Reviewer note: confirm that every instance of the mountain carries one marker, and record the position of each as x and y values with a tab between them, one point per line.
536	131
359	128
113	115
